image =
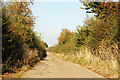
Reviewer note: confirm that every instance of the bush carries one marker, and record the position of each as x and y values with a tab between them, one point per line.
20	45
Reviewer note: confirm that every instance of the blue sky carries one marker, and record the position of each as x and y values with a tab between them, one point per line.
52	17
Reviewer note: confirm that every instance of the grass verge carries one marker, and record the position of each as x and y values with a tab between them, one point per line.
108	68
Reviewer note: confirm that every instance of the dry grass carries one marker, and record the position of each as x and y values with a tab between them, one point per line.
106	68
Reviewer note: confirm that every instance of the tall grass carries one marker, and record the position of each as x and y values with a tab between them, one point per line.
106	68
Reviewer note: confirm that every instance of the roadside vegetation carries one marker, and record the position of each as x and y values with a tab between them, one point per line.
21	47
94	45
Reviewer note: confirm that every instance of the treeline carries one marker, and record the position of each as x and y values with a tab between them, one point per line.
98	39
20	45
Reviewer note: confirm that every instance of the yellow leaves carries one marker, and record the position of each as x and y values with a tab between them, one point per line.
61	33
65	36
81	8
72	33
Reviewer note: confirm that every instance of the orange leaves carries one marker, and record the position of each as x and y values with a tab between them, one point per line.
72	33
111	7
103	9
108	3
65	36
66	30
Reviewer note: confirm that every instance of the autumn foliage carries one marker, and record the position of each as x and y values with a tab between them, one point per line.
98	37
102	9
65	36
20	45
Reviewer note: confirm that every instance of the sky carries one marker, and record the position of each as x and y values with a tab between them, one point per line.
52	17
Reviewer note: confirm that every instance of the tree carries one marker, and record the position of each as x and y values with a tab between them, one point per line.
104	28
102	9
17	23
65	36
